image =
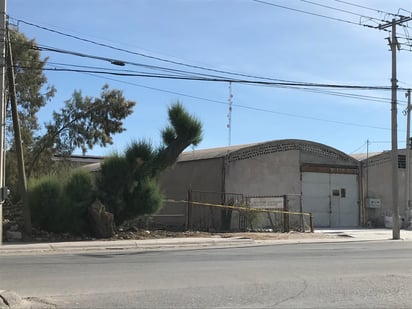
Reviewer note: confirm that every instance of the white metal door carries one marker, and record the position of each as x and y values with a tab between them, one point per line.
345	206
315	197
332	198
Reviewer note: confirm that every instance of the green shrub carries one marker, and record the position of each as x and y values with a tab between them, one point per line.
124	191
114	183
145	199
59	203
80	187
140	157
78	194
45	201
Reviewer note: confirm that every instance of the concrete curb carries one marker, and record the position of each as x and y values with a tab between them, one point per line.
342	235
164	243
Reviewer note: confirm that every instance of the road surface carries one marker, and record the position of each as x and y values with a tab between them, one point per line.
329	275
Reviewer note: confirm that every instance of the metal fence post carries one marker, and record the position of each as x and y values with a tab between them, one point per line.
189	210
285	214
311	222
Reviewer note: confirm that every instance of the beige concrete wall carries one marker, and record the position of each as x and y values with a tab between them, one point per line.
376	181
270	174
202	175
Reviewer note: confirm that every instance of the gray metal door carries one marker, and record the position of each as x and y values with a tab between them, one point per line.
344	200
331	198
315	197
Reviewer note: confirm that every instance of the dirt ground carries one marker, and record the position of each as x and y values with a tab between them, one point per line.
153	234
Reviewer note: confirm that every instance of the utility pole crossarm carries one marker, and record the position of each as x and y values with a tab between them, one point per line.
401	20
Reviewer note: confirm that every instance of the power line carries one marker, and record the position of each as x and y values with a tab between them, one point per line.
313	90
341	10
160	90
117	61
313	14
353	96
223	79
313	118
293	84
157	58
360	147
144	55
244	106
367	8
190	75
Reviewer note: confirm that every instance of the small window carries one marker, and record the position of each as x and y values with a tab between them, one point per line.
401	161
343	192
335	192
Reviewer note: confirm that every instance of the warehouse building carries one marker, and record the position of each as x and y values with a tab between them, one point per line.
314	177
376	170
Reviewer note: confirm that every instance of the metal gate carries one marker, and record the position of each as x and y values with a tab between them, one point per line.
332	198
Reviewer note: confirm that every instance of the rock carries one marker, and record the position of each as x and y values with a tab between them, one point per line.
102	222
10	299
13	236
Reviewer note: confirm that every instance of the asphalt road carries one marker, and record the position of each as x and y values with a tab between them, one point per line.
330	275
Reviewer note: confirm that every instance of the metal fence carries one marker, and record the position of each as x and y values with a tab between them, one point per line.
236	212
224	212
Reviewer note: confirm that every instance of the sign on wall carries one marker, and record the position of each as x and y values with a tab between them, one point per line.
269	202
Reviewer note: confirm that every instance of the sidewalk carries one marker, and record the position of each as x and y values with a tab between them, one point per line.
366	234
333	235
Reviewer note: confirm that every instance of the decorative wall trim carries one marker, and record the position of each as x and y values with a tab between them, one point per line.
287	145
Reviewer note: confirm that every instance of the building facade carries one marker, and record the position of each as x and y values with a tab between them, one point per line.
325	179
376	184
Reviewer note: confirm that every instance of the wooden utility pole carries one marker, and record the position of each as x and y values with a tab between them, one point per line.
18	140
394	45
394	129
2	110
408	158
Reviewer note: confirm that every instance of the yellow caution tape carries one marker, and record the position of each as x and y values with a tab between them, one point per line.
241	208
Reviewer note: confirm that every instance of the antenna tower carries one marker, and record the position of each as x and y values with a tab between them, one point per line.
229	115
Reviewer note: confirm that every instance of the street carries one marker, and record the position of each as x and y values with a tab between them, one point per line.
328	275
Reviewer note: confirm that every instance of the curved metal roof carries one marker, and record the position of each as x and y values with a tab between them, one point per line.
241	152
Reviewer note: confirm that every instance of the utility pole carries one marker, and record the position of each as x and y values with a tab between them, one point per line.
18	140
2	110
394	129
408	158
394	46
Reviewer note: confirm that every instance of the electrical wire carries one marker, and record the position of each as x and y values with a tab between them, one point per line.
342	11
298	85
367	8
313	118
119	62
162	59
189	75
243	106
359	148
145	55
314	14
227	80
313	90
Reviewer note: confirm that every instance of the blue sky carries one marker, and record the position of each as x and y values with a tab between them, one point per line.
242	36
